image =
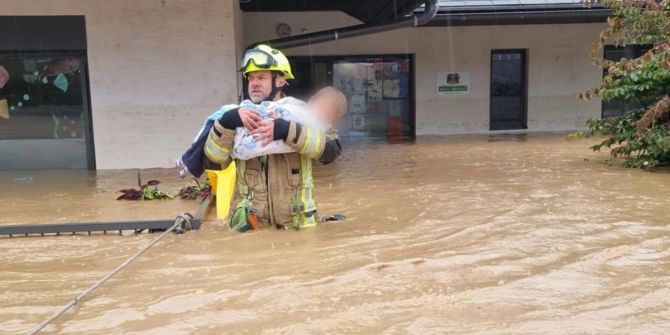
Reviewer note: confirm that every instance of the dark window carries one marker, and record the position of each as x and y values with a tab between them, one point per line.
619	107
44	112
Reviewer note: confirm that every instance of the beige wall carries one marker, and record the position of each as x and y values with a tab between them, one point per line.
157	68
559	66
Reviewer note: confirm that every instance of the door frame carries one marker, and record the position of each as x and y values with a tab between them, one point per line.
524	86
411	82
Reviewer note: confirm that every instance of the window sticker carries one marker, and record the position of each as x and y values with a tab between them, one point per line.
4	76
61	82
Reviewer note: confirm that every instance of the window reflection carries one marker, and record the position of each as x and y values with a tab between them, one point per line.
618	107
378	94
42	105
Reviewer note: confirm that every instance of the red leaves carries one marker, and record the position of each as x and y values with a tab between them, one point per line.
136	193
588	95
131	194
654	113
621	151
200	190
148	191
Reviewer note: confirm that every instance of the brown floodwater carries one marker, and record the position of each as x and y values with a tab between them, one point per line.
451	235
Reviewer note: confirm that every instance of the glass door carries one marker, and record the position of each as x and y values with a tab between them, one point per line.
508	89
379	94
379	90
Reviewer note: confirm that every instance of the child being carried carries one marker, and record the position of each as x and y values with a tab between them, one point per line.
322	111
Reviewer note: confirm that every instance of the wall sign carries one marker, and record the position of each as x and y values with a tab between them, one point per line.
453	83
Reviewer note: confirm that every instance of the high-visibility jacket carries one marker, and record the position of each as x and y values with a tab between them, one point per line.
278	188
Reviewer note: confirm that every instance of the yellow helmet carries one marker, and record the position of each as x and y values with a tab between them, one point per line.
265	58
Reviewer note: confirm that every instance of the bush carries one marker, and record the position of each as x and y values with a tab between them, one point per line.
641	137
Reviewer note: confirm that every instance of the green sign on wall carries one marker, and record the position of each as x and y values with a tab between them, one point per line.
453	83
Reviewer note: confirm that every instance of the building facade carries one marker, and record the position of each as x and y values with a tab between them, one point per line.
137	90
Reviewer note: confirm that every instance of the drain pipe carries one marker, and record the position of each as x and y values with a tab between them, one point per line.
522	17
428	14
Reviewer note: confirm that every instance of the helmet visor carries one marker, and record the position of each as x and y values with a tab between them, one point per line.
260	58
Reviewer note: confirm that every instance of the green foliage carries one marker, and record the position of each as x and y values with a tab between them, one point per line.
640	137
154	194
645	150
150	191
644	84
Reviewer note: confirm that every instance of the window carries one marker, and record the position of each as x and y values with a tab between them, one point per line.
44	113
619	107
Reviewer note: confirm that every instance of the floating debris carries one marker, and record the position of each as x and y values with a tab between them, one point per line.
24	179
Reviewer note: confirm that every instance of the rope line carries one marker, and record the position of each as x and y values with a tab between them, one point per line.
182	223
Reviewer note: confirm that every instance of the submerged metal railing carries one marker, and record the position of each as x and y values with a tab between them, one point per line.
105	227
181	224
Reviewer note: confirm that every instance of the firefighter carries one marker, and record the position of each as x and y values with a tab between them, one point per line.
275	189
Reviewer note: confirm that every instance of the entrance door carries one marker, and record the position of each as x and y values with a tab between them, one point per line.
508	90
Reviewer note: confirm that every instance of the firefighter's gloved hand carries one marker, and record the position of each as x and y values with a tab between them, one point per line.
281	128
231	119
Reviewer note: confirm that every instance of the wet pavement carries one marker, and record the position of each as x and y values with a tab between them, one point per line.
457	235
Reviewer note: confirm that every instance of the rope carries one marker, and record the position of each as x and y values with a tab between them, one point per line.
182	223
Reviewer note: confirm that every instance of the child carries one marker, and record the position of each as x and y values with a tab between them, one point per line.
323	110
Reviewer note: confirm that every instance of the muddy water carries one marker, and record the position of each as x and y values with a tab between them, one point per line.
448	235
42	197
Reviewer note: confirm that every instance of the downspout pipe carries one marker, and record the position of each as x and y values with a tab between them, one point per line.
521	17
428	14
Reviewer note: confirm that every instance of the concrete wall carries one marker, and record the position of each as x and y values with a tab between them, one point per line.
558	61
157	68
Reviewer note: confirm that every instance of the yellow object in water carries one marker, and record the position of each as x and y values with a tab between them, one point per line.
223	186
4	109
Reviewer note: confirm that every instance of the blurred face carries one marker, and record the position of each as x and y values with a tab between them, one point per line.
260	85
323	106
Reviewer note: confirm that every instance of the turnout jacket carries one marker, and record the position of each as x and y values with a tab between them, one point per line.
278	188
